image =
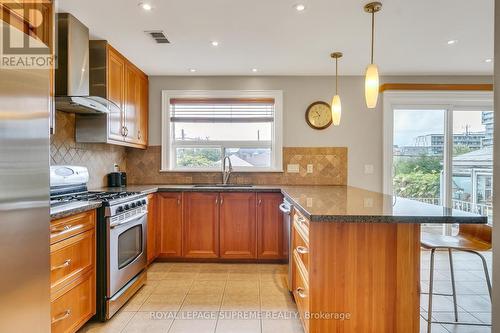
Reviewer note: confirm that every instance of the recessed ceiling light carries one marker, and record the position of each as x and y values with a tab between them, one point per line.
452	42
254	70
488	60
214	43
146	6
192	70
299	7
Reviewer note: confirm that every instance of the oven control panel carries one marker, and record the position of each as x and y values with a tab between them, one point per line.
127	206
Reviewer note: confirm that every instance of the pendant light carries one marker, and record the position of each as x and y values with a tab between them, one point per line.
336	105
371	77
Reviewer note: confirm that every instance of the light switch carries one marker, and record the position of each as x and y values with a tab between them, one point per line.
368	169
310	168
292	168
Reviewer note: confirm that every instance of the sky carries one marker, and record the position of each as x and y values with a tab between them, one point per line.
408	124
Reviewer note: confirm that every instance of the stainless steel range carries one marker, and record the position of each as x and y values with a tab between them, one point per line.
121	235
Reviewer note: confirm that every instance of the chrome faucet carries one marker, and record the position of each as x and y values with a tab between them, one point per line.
226	173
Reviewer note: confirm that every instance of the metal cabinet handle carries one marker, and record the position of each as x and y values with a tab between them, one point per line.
260	202
65	264
301	292
123	131
221	200
285	209
126	130
63	316
68	227
178	202
139	134
302	249
216	200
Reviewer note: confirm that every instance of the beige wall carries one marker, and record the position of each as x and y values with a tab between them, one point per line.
360	129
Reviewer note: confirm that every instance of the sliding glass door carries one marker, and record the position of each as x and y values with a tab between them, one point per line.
440	153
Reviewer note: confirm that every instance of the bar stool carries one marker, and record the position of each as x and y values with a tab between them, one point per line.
471	238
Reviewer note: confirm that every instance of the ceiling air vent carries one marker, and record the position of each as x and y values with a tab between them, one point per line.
158	36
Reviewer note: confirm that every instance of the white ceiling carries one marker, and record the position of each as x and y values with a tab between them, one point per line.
270	35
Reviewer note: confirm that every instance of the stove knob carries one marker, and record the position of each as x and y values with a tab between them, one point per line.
143	201
139	203
119	209
127	207
132	205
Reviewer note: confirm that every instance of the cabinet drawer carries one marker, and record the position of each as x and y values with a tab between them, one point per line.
301	293
302	224
71	257
300	248
74	305
71	225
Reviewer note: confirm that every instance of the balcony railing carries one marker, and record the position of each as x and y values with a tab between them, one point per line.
481	209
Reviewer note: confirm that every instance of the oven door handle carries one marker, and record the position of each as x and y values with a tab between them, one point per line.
131	219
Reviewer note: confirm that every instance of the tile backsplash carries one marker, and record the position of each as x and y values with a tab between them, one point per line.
99	158
329	168
143	166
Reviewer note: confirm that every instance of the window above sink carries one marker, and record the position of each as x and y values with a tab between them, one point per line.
200	128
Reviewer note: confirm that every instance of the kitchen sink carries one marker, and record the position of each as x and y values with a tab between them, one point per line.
222	185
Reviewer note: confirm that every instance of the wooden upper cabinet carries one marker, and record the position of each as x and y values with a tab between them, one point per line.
114	77
144	113
270	226
201	225
132	114
152	227
238	225
116	93
169	233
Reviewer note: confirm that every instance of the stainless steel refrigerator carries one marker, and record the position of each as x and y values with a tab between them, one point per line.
24	200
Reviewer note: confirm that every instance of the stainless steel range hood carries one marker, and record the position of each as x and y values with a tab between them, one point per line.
72	71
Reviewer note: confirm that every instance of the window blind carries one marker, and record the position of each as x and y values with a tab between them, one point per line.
222	110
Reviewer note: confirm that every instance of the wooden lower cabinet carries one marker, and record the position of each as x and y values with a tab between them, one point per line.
152	248
201	225
72	281
357	276
216	225
169	222
238	226
270	227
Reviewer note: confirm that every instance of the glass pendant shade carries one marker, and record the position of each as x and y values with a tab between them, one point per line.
371	86
336	110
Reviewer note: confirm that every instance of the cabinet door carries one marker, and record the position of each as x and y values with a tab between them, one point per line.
237	226
152	226
132	103
144	111
116	93
170	224
201	225
269	226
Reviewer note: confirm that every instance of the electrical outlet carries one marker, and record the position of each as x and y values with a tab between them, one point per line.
292	168
367	202
368	169
309	202
310	168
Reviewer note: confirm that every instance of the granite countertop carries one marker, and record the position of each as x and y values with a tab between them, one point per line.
71	209
146	189
335	203
352	204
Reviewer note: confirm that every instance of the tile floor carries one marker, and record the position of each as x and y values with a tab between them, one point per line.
473	299
217	297
222	298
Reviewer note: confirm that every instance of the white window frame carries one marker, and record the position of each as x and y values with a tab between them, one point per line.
167	154
429	100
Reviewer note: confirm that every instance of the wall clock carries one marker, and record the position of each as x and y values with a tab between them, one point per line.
319	115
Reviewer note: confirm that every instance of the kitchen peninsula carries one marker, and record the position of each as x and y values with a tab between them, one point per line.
355	253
